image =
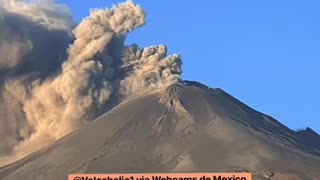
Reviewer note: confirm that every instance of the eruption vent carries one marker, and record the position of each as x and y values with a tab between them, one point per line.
54	78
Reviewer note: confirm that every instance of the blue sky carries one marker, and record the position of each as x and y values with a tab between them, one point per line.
265	53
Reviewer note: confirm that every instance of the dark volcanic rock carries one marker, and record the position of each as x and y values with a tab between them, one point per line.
184	128
309	137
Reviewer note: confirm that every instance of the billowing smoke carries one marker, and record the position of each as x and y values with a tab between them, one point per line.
55	76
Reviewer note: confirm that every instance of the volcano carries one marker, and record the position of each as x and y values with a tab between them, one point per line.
185	127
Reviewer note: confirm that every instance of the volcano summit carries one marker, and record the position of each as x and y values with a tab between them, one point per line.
181	128
76	99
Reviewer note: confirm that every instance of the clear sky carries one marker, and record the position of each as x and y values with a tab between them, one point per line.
265	53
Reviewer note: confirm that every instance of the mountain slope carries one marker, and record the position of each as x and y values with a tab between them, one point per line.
184	128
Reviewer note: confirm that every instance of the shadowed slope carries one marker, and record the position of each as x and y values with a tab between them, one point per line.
184	128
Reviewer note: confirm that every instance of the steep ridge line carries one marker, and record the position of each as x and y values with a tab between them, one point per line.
180	128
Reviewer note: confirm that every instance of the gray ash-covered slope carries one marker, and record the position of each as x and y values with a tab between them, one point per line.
183	128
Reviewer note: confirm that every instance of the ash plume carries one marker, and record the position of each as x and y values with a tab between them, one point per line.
56	76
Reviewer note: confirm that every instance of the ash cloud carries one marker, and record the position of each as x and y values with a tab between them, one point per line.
56	76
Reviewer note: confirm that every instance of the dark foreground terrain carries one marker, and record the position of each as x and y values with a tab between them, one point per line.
184	128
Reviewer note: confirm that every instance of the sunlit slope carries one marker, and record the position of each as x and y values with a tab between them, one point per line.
184	128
